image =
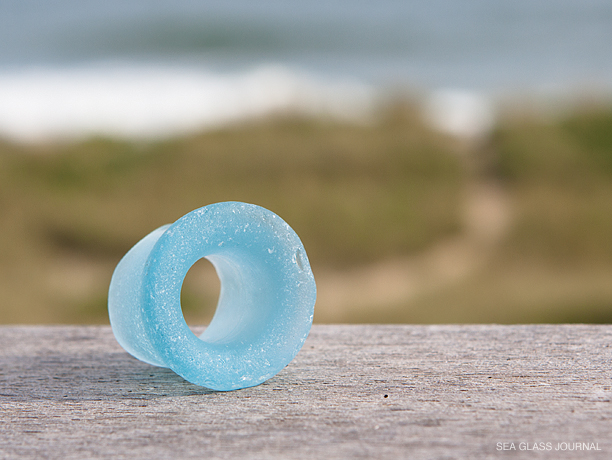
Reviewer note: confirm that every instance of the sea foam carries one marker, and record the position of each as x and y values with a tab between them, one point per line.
460	113
155	102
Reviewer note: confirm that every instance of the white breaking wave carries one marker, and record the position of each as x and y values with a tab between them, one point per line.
149	102
459	113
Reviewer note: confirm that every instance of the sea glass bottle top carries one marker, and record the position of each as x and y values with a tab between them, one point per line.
265	308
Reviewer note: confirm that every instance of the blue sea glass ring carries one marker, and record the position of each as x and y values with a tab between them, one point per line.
265	307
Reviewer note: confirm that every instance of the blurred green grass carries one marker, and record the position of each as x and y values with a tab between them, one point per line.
356	194
561	177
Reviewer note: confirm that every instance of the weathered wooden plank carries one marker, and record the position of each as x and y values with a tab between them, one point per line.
352	392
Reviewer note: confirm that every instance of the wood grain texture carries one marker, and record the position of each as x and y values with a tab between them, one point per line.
384	392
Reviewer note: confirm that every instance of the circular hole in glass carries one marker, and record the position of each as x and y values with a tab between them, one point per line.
200	295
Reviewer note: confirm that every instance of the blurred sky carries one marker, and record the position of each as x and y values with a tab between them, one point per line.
236	58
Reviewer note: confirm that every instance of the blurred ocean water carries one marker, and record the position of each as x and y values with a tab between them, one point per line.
153	68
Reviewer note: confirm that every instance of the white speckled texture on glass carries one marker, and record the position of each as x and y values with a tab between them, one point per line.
265	308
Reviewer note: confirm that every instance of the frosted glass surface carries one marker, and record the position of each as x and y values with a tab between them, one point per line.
265	308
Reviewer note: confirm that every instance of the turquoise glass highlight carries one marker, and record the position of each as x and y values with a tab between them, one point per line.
265	308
